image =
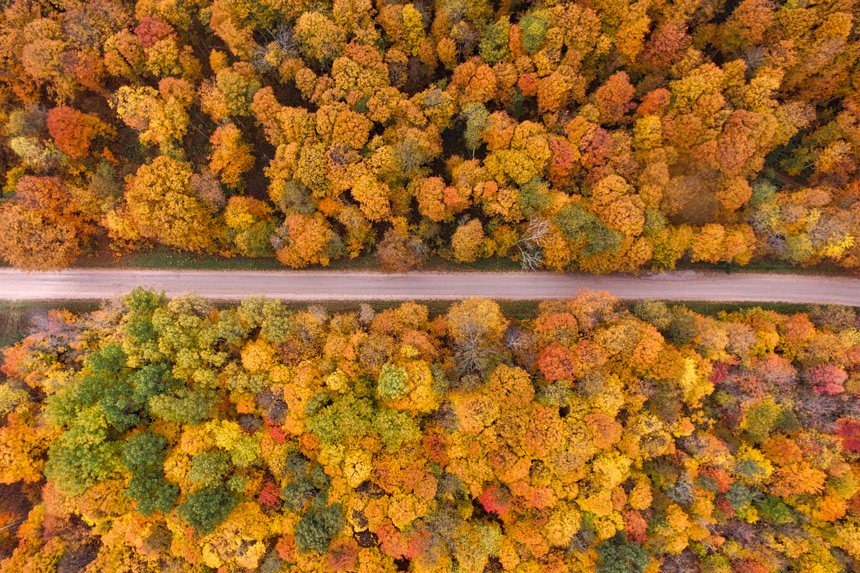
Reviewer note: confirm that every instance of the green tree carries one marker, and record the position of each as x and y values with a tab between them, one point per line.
395	427
348	418
205	509
94	411
579	225
477	120
617	555
184	405
535	26
143	455
208	469
393	382
493	46
317	528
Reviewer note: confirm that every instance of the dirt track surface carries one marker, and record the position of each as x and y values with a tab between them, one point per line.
347	285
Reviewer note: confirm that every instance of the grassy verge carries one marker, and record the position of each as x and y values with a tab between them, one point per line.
767	267
528	309
169	259
17	319
165	258
714	308
519	309
13	323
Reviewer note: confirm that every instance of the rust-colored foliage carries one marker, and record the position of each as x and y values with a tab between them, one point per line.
46	225
73	131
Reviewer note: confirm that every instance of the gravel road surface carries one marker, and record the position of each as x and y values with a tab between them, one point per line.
352	285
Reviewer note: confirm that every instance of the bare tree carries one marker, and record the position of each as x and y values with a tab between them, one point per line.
530	244
523	345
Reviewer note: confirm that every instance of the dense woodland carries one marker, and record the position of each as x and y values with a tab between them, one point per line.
587	135
157	435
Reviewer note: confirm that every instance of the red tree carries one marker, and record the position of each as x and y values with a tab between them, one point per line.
74	131
849	431
152	29
558	363
828	379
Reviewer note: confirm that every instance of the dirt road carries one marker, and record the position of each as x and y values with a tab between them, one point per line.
347	285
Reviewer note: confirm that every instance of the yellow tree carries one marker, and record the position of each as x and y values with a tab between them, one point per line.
165	209
231	156
250	225
467	240
320	38
372	196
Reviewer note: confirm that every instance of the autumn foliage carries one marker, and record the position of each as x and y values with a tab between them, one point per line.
73	131
47	224
594	436
561	135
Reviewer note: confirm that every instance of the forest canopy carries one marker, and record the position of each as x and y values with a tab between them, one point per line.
171	435
586	136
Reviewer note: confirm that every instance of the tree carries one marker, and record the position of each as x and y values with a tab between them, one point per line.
708	245
565	161
320	38
360	234
478	82
208	469
431	198
250	225
581	226
152	29
476	116
494	41
614	97
34	243
666	44
399	251
23	446
828	379
317	528
617	555
165	209
372	196
161	116
534	27
304	240
476	326
467	240
558	363
849	431
747	24
46	225
392	383
231	156
395	428
347	420
205	509
93	412
143	456
73	131
231	92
